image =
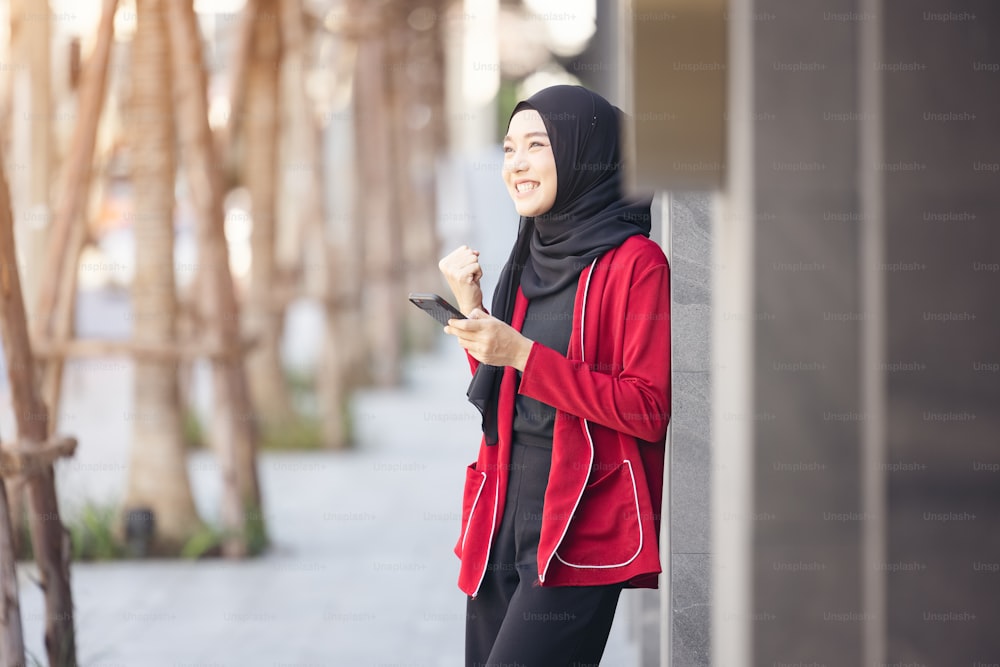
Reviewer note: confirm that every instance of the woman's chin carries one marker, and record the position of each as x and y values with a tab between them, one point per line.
530	210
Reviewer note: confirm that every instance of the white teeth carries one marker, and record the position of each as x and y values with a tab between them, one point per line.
524	187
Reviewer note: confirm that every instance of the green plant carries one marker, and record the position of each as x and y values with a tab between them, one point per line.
299	381
192	430
293	434
206	542
25	550
92	533
256	533
350	422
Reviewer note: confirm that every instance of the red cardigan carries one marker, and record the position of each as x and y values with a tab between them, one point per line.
612	397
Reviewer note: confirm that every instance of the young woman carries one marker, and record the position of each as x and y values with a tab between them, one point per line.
572	374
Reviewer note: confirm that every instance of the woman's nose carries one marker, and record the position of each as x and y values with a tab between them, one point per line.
518	164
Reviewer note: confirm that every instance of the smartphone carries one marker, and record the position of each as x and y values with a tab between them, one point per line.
436	307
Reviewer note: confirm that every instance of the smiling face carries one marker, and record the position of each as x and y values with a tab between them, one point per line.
529	166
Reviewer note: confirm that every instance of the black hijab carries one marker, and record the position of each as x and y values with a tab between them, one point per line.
589	216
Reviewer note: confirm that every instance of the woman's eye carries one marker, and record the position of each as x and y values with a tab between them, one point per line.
536	143
508	149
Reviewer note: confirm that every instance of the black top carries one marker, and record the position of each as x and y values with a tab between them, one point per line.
549	321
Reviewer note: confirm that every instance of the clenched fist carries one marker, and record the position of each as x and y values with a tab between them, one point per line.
462	271
491	341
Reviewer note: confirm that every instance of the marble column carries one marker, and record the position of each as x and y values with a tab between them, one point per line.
690	465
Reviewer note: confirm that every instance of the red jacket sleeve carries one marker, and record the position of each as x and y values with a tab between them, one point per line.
636	401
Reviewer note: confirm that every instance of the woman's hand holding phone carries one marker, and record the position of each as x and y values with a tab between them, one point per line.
462	271
491	341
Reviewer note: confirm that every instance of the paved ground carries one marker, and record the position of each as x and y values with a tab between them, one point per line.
361	573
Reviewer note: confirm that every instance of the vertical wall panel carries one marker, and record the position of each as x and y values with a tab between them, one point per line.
942	271
808	517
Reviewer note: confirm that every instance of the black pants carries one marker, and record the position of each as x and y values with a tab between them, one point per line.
513	620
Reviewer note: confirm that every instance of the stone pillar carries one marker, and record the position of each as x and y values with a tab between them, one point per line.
687	608
675	96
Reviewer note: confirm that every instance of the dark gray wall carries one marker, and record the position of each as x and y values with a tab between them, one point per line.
807	528
942	267
876	495
938	184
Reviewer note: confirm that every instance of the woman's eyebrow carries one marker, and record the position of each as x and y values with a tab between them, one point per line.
530	134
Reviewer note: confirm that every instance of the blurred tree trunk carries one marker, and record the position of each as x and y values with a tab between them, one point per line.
11	633
300	206
234	434
226	136
376	203
428	86
157	473
264	314
49	539
56	288
320	274
417	68
31	166
7	81
29	130
435	92
227	149
32	163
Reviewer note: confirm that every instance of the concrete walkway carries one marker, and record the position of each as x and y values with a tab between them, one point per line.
361	573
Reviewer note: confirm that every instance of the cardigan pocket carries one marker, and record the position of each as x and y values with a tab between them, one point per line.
605	530
475	481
